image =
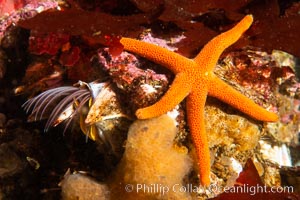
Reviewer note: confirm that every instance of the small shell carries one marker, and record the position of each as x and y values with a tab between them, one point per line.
278	154
105	106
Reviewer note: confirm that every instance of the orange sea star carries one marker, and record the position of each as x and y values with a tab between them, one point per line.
195	80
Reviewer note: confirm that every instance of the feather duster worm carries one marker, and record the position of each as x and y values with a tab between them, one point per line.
93	102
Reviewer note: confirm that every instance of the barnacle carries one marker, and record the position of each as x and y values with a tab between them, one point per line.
89	101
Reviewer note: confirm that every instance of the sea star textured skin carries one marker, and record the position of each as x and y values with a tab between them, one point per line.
195	80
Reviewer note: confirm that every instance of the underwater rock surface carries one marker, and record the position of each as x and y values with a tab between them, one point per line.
35	58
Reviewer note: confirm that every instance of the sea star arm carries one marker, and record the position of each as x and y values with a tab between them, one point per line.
211	52
195	110
195	79
226	93
179	89
157	54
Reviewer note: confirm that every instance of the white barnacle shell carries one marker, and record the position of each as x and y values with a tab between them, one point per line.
105	106
279	154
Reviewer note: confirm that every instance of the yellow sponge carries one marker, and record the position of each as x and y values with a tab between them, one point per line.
151	163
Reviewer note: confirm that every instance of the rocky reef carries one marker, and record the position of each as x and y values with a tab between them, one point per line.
82	91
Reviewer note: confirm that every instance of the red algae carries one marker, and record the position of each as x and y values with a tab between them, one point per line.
70	57
78	22
47	43
114	44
